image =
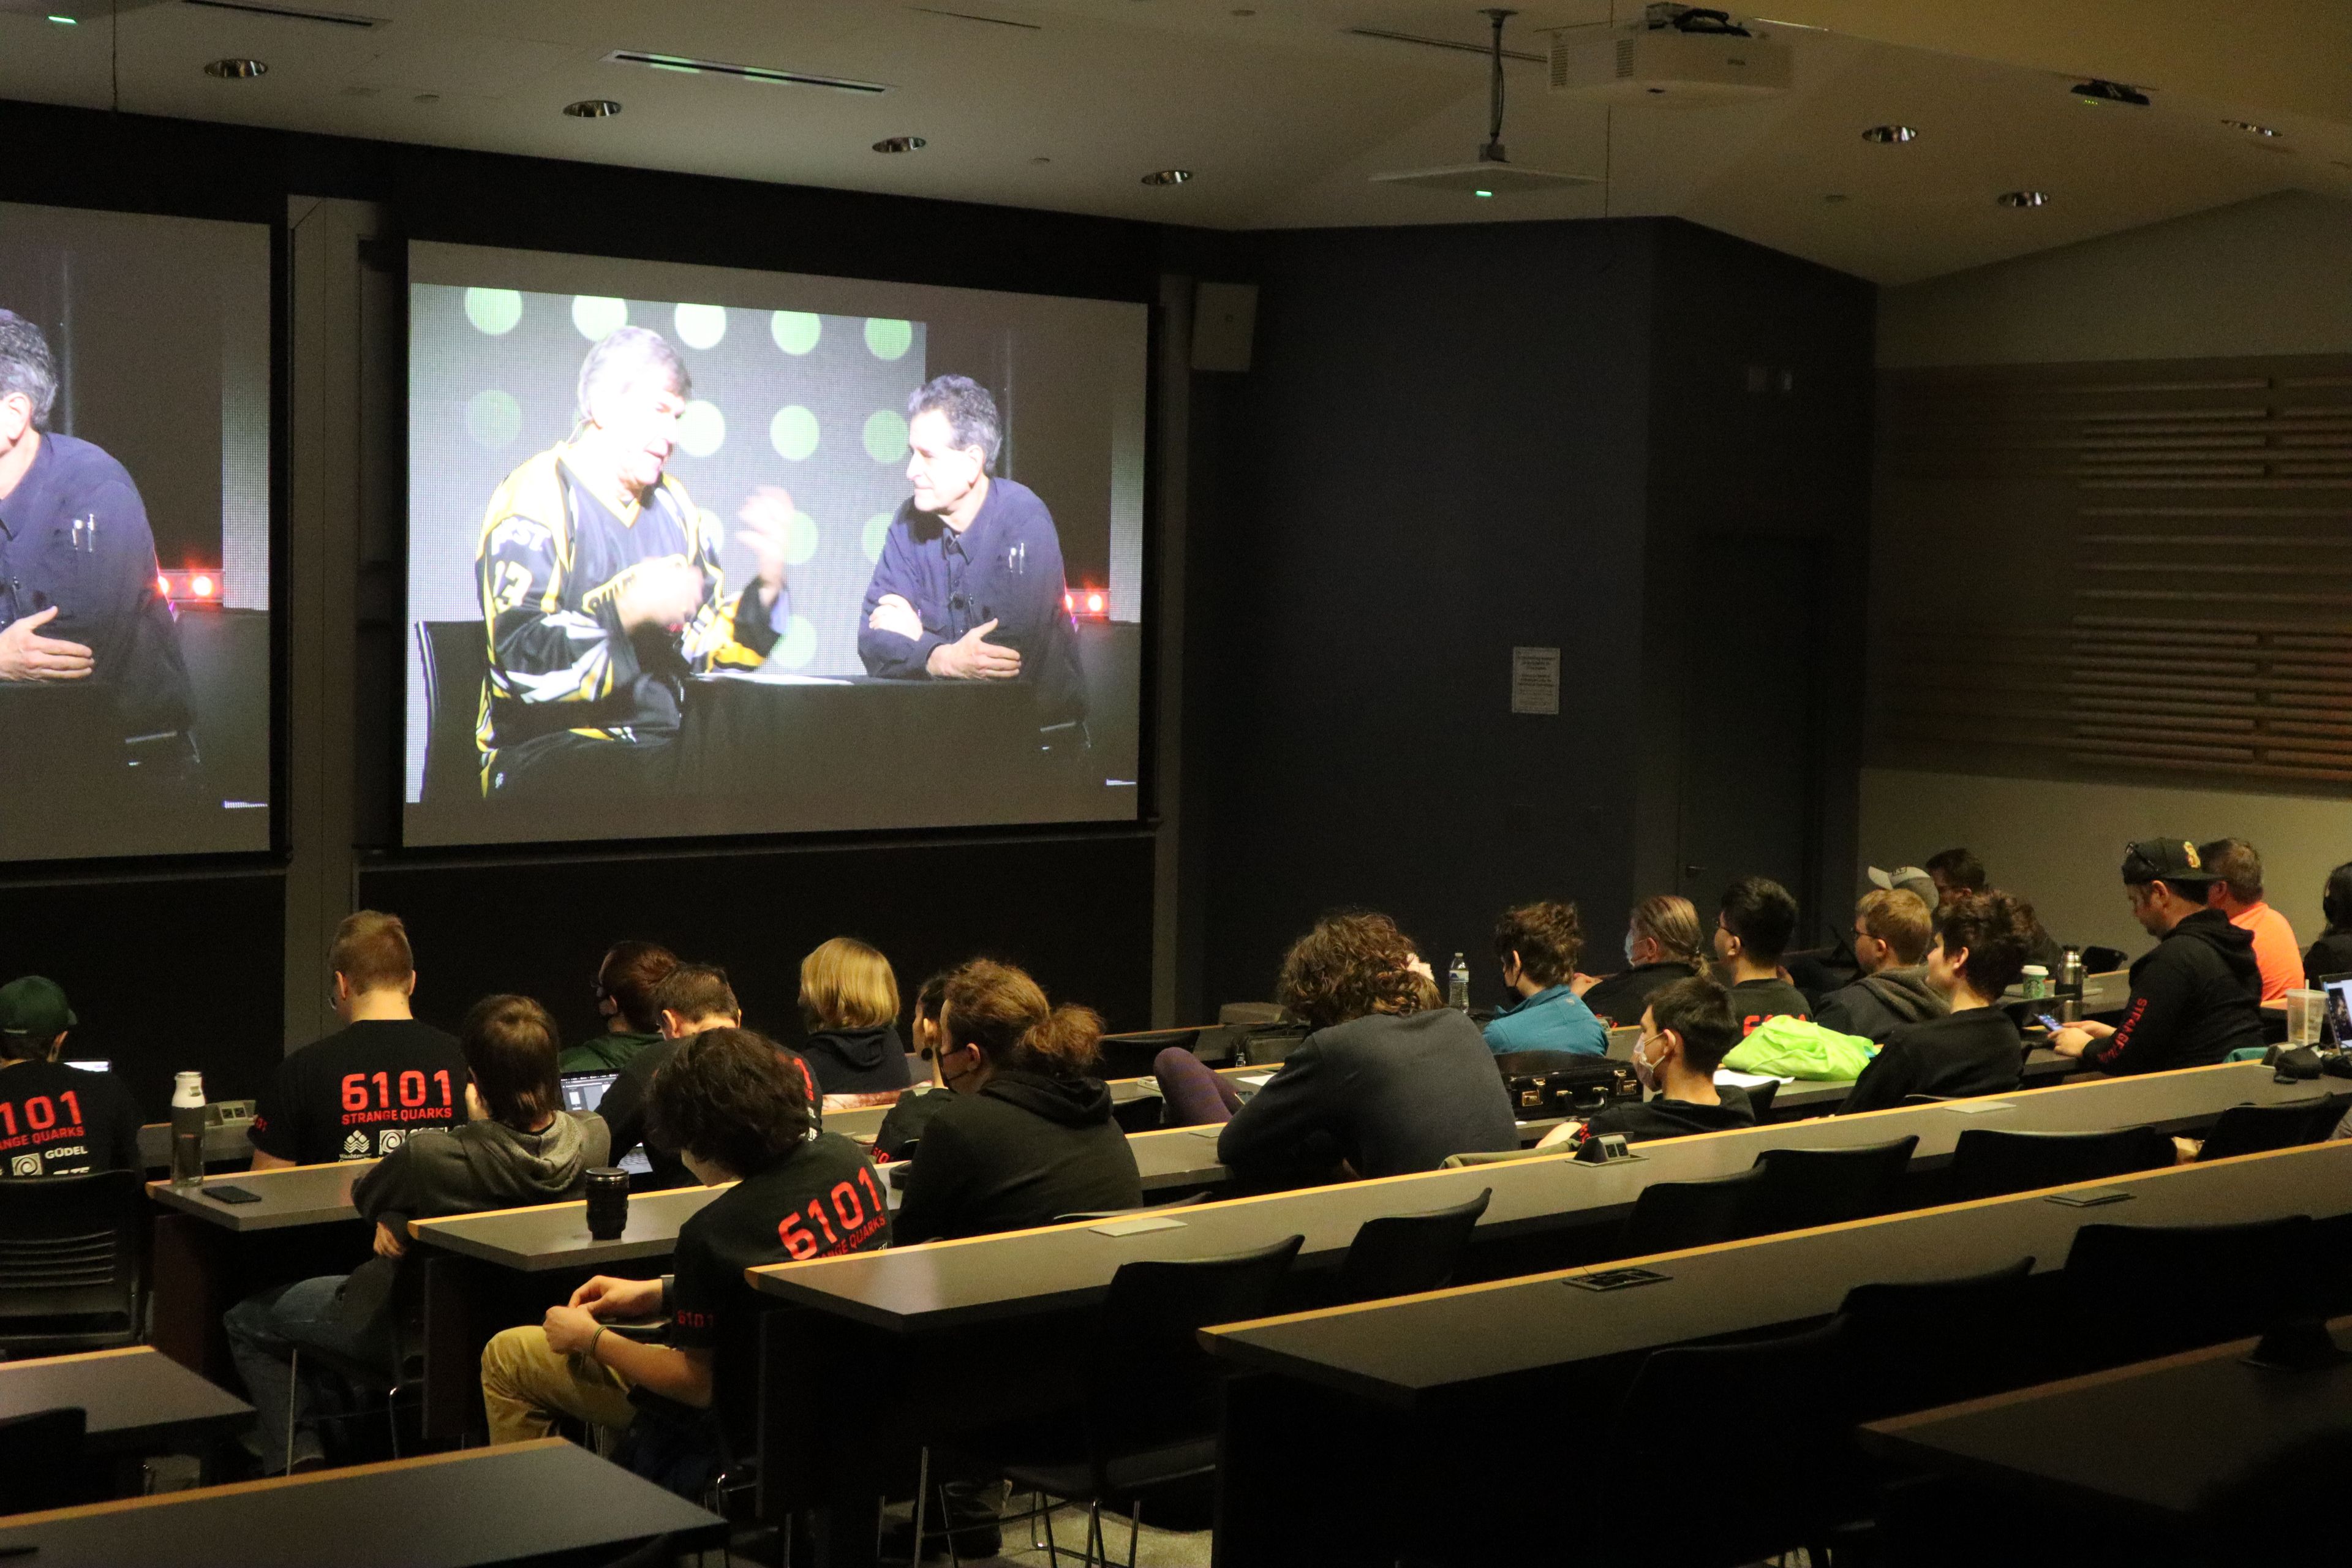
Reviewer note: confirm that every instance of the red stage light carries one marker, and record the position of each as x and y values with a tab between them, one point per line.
1094	604
1069	600
201	586
163	585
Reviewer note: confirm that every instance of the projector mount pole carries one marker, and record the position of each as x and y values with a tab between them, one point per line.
1492	153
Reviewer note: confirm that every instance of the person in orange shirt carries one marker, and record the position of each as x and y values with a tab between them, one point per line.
2237	892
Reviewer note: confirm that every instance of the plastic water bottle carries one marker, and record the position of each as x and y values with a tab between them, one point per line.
188	1129
1458	984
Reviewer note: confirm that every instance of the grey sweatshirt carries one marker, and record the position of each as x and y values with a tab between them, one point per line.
1875	1005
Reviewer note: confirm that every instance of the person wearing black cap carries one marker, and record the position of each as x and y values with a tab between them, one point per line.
55	1120
2195	997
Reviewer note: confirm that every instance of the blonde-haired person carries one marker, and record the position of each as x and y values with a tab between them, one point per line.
1029	1136
1662	946
1892	931
849	1005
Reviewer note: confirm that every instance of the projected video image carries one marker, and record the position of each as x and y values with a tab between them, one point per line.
691	567
134	534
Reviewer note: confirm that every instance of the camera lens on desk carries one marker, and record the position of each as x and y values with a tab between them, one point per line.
608	1202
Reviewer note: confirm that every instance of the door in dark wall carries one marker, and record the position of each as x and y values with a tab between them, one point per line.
1751	744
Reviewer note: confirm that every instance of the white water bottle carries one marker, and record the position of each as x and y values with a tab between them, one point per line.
1458	984
188	1129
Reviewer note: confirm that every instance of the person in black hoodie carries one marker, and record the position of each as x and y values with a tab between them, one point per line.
1686	1031
522	1147
691	999
1029	1136
2332	954
849	1004
1981	940
2196	995
1661	947
1891	931
902	1129
1387	1082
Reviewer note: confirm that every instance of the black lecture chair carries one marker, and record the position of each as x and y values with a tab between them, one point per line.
69	1263
1671	1215
1761	1098
1147	1420
2103	959
1803	1187
1931	1342
1131	1055
1405	1254
400	1371
2257	1129
2152	1290
454	658
40	1458
1987	1163
1780	1406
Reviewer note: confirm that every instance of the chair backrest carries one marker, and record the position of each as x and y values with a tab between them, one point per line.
2154	1290
1924	1343
69	1255
1761	1098
1805	1187
40	1458
454	658
2252	1129
1131	1055
1671	1215
1148	1380
1986	1163
1404	1253
2103	959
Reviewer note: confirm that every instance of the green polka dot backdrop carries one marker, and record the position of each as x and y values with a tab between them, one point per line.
813	404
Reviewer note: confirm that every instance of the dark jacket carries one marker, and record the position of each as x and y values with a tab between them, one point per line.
1621	998
2331	954
1957	1055
1753	1001
858	1061
1875	1005
1664	1118
610	1052
1386	1094
902	1128
2195	998
1023	1149
626	1109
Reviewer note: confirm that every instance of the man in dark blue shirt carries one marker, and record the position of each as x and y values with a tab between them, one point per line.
968	585
79	599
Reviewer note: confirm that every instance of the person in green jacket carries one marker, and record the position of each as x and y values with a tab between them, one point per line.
624	995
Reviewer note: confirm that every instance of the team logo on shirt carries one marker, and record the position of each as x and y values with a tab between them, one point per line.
24	1165
389	1139
355	1147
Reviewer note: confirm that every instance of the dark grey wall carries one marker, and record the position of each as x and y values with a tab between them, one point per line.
1457	440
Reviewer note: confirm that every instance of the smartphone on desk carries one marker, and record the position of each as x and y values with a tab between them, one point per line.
232	1195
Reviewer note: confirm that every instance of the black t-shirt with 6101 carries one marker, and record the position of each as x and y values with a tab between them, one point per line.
360	1092
58	1120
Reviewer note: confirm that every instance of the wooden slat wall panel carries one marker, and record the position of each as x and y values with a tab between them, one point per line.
2103	570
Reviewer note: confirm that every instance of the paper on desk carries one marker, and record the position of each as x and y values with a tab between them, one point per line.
1748	1080
1255	1080
1979	1107
1135	1227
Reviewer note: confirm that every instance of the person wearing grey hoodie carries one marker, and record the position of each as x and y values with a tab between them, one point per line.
1891	933
520	1147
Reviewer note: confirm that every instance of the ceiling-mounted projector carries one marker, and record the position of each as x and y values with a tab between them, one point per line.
1676	54
1492	174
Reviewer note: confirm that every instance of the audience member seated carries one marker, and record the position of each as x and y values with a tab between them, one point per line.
849	1005
1891	932
1537	944
2195	995
1979	952
522	1147
55	1120
2332	954
2237	892
691	999
1661	947
1957	871
902	1129
1386	1082
730	1101
1028	1135
1929	889
1751	933
1686	1031
380	1079
625	996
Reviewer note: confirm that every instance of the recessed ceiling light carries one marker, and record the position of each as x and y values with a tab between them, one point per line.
1889	135
236	71
2097	91
2248	126
2021	199
1166	176
901	144
592	108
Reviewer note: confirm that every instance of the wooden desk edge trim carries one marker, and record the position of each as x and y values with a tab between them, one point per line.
417	1224
7	1366
2036	1194
234	1178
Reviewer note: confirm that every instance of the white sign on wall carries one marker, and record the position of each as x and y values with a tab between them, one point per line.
1535	680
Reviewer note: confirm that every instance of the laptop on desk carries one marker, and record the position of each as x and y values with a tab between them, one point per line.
583	1093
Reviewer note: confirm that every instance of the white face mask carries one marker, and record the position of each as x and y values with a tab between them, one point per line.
1644	1068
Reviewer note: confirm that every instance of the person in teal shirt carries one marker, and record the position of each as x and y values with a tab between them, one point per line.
1537	946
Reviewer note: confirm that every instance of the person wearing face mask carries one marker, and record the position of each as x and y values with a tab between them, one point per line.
1980	948
1536	946
1661	947
601	589
1028	1134
1686	1031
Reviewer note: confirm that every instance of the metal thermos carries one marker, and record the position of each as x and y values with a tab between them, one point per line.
608	1202
2070	972
188	1129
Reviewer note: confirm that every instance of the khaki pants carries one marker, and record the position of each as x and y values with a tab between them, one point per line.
526	1385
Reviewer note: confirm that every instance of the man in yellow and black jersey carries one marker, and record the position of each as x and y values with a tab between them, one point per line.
600	588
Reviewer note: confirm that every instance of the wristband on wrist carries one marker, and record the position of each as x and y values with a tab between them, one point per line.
593	1337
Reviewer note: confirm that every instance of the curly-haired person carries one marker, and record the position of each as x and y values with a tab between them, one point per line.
1981	943
1537	946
